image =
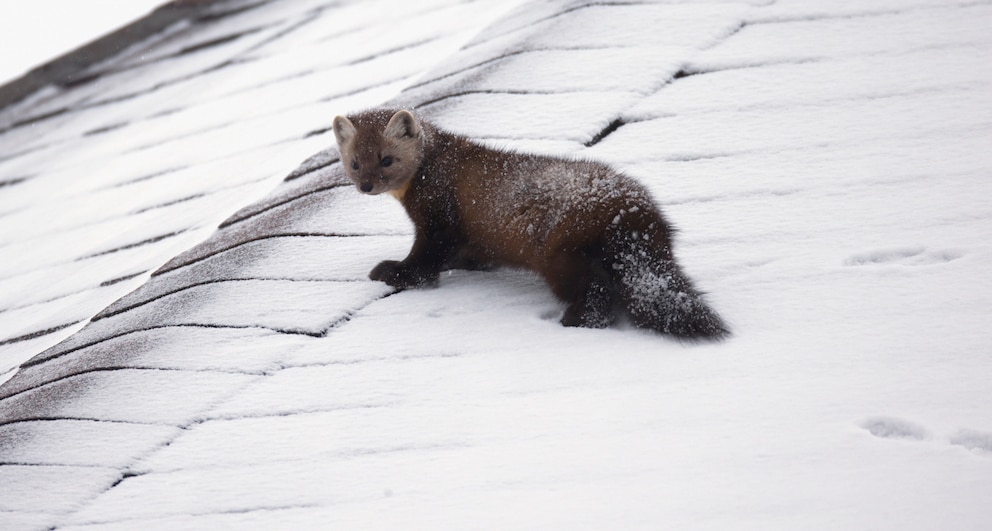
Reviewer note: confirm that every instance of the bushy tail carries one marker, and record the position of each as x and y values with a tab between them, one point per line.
658	295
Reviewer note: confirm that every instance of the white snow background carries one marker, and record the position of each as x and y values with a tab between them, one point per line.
33	33
827	165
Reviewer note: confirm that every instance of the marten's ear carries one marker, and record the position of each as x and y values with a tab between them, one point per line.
344	130
402	124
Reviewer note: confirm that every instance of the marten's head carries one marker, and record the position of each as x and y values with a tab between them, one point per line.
379	155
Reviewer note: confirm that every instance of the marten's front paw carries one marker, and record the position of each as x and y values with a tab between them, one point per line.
401	276
385	271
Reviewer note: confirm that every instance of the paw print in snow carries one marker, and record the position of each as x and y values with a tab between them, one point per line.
975	441
894	428
907	256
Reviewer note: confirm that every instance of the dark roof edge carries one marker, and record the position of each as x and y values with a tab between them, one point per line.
68	67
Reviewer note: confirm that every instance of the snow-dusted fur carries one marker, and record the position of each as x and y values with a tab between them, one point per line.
656	293
594	234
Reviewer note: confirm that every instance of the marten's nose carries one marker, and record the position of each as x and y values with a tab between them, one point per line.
366	187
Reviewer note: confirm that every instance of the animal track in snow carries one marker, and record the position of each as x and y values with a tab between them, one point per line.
894	428
908	256
973	440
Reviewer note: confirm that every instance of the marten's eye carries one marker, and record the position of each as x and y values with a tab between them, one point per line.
386	162
354	164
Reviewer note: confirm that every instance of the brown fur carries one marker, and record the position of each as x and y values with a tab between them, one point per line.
592	233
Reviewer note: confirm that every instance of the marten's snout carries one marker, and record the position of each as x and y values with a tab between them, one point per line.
365	187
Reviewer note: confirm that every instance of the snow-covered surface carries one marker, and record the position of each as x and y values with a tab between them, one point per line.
41	30
826	162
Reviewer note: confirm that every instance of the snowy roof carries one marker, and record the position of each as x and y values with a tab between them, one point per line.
188	337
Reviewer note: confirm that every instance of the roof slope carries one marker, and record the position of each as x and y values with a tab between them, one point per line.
191	340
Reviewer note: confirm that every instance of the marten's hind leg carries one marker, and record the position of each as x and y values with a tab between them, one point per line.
587	289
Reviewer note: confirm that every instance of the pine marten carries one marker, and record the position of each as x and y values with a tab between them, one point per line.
594	234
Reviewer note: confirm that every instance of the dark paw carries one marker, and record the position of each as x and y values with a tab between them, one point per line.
593	310
401	276
385	271
586	317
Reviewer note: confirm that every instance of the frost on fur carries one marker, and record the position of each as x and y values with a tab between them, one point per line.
657	295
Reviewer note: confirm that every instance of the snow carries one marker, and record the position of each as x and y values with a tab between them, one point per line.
28	28
102	444
826	166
